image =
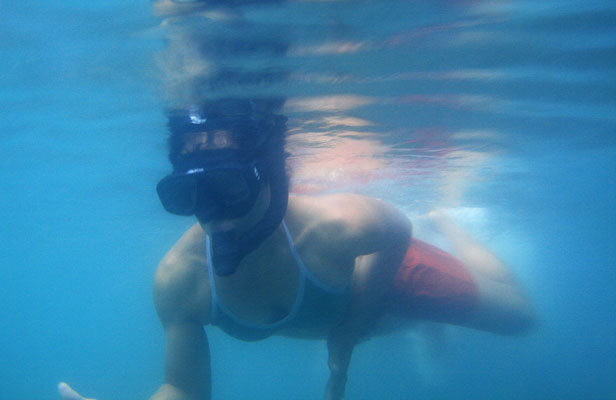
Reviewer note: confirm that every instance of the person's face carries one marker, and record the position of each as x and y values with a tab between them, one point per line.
218	140
213	179
221	139
243	223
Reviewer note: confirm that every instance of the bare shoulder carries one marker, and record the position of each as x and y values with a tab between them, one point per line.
360	209
363	224
181	285
360	214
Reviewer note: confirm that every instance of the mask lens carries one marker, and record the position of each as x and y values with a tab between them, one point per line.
229	187
178	194
224	193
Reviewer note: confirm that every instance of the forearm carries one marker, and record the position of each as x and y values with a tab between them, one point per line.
371	284
187	363
372	280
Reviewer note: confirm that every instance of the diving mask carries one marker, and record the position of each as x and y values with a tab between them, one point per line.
211	184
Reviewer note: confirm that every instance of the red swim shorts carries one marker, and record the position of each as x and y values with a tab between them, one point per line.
433	285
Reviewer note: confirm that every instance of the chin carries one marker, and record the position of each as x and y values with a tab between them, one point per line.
215	226
219	225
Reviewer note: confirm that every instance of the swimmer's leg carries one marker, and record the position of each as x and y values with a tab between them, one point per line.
473	289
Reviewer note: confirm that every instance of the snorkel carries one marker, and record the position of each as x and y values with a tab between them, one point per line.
193	188
228	249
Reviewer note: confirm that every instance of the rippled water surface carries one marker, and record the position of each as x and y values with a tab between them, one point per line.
501	112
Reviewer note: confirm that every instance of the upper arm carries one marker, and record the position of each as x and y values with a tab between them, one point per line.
368	225
371	233
181	292
187	359
181	284
376	235
181	297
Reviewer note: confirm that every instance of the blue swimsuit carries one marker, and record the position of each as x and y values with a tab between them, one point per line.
314	304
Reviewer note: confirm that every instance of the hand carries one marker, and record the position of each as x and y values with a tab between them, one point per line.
67	393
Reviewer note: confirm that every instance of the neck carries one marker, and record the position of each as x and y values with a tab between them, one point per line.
247	234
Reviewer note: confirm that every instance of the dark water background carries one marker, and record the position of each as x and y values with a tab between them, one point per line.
501	112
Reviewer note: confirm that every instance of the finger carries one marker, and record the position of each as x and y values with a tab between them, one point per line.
67	393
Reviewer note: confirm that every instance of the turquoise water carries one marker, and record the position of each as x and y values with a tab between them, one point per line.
501	112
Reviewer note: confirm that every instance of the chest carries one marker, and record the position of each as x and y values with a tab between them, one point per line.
271	281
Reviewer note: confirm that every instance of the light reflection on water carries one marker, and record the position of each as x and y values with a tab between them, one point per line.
424	94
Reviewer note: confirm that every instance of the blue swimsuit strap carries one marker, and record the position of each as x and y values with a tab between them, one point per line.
304	273
303	269
217	304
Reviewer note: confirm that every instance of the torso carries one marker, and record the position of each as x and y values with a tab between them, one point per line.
265	286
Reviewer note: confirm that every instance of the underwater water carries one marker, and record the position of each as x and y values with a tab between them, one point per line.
502	113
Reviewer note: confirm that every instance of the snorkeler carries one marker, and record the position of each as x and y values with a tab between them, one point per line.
262	262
